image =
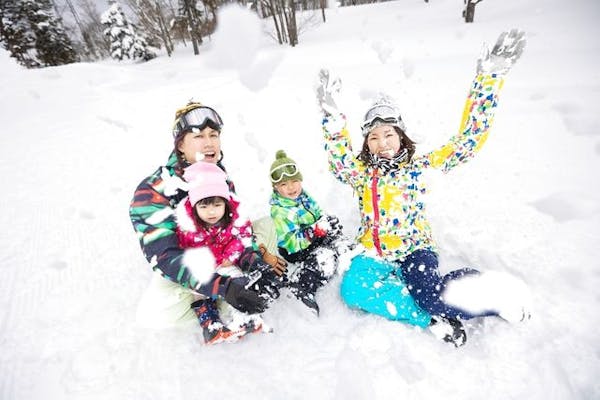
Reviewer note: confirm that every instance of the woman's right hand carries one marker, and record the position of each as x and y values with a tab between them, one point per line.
243	299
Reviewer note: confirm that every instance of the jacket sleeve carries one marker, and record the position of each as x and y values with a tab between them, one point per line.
476	120
342	163
241	238
153	220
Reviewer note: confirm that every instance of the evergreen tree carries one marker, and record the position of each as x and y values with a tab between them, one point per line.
124	41
52	43
33	34
15	35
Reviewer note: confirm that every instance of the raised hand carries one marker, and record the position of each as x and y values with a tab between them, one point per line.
327	89
504	54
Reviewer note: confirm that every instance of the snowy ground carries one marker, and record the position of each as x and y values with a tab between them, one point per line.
77	139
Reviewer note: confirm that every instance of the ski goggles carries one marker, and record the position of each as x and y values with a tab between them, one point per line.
384	114
284	170
199	118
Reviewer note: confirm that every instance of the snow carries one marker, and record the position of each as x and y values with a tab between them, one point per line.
77	139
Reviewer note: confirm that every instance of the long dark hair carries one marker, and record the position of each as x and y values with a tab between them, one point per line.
405	142
225	221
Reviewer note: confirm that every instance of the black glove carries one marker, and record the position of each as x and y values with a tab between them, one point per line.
269	283
336	227
243	299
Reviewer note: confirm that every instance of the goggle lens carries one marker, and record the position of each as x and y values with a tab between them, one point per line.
383	113
200	118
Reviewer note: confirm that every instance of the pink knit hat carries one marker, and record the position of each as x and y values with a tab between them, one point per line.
206	180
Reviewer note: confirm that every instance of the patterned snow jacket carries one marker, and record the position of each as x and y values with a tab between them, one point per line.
225	242
294	222
393	218
152	213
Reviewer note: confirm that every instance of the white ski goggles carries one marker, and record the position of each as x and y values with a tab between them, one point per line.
199	118
383	113
283	170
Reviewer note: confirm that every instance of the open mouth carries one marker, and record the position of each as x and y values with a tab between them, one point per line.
386	153
211	155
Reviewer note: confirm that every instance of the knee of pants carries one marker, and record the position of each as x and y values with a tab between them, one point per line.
420	270
264	231
362	279
165	304
378	291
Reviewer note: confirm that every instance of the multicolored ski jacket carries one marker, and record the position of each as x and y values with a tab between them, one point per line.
293	220
152	213
393	218
225	242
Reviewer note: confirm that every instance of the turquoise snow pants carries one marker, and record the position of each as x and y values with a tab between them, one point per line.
371	285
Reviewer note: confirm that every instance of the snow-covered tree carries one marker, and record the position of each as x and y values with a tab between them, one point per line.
16	35
153	17
124	41
33	34
52	43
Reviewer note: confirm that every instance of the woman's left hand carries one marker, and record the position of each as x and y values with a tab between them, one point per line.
505	53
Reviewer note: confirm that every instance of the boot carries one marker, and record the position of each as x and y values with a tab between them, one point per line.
213	329
306	282
449	330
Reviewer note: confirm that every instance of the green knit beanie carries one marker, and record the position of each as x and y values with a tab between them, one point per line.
284	169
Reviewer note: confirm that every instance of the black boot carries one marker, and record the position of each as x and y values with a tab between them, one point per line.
449	330
305	283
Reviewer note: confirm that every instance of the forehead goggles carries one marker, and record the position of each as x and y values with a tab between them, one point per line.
382	114
199	118
283	170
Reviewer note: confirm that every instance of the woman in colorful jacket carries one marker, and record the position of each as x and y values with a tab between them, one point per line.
386	177
197	136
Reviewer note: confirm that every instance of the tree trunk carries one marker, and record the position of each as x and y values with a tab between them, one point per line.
469	11
192	30
292	26
164	31
282	24
84	34
323	4
273	14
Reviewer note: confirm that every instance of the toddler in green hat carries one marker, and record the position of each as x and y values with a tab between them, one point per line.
306	237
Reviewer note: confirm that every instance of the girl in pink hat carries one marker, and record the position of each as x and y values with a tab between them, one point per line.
216	238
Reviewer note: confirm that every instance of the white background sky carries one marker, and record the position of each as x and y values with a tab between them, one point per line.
77	139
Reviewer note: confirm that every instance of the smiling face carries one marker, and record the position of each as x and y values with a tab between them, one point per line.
290	189
384	141
202	145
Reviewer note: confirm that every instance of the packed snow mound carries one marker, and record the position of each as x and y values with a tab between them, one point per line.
240	43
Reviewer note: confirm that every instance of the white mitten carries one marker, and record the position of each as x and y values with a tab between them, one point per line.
504	54
327	89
